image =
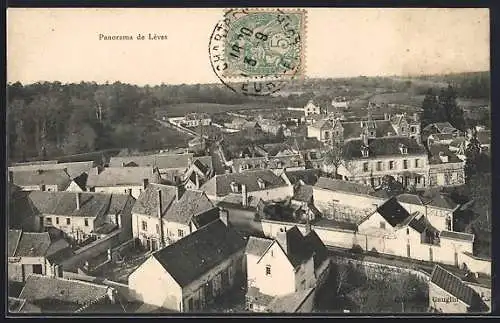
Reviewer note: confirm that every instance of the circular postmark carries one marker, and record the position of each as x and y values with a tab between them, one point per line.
258	51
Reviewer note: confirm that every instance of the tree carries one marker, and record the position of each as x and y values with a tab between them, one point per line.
472	153
391	186
452	112
431	111
333	157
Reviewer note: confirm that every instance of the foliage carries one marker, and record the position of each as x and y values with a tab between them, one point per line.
472	155
452	112
431	111
333	157
391	186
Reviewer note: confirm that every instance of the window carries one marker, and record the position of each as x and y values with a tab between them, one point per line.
403	129
157	228
86	222
190	304
379	165
405	164
382	225
144	225
418	180
412	129
268	270
417	163
37	269
68	221
180	233
365	167
391	164
407	231
364	151
48	220
57	220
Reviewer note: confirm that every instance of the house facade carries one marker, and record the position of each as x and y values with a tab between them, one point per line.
121	180
445	168
212	262
289	264
310	109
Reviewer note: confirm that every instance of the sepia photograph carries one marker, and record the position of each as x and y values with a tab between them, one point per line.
239	161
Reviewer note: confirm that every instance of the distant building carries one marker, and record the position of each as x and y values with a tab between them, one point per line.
83	215
310	109
60	295
196	119
121	180
257	183
292	162
34	253
164	214
189	274
292	263
340	102
449	294
369	160
445	168
440	128
52	180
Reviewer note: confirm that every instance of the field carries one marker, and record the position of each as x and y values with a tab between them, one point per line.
398	98
179	110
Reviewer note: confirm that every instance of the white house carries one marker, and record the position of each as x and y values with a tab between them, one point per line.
310	108
188	275
164	214
121	180
289	264
257	184
34	253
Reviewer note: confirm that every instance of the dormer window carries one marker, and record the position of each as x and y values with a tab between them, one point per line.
234	187
364	151
372	133
403	149
261	183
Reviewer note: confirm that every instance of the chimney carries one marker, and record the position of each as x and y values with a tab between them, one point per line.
416	117
197	180
160	222
190	161
78	201
145	183
123	164
177	193
386	116
281	239
118	220
224	216
244	195
97	170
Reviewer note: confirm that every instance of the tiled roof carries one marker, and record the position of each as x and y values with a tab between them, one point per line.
46	290
353	129
73	169
323	124
455	286
191	203
343	186
303	143
393	212
164	161
440	126
12	240
317	246
196	254
409	199
303	193
381	147
324	222
419	224
297	248
65	203
257	246
147	202
289	303
442	136
206	217
57	177
457	235
220	185
295	160
308	176
115	176
436	150
435	198
34	244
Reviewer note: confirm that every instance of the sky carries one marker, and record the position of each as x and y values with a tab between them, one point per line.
62	44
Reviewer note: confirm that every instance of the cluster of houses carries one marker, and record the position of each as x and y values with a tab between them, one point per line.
263	226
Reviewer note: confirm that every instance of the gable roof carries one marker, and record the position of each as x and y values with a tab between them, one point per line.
161	161
343	186
257	246
441	127
206	217
65	203
353	129
457	235
393	212
74	169
191	203
435	198
409	199
297	249
147	202
455	286
303	193
381	147
220	185
33	244
289	303
57	177
200	251
436	150
115	176
308	176
44	289
314	243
